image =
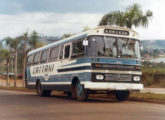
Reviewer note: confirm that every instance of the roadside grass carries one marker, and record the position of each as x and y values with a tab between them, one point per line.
17	89
150	96
154	75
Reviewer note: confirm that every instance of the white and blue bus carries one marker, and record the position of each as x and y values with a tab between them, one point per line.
105	59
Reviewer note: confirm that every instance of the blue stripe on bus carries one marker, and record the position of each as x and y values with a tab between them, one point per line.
63	78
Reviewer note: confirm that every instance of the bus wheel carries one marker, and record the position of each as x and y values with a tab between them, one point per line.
122	95
69	94
81	93
41	92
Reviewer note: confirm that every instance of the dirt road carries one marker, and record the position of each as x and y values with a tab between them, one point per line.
16	105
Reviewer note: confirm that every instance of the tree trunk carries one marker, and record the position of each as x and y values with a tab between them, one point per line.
24	60
15	69
7	74
24	68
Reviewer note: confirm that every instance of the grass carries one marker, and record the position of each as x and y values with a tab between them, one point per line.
151	96
17	89
154	74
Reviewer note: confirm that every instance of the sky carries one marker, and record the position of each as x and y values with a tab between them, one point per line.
56	17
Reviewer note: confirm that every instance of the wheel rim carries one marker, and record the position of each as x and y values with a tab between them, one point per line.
79	89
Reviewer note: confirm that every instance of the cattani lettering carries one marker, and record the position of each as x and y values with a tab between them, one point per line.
43	69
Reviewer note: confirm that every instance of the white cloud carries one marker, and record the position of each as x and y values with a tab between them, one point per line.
46	23
156	28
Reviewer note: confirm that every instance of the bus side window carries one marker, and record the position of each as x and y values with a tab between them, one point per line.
67	51
37	57
61	52
30	60
45	55
54	53
78	49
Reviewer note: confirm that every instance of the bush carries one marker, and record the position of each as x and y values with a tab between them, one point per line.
162	83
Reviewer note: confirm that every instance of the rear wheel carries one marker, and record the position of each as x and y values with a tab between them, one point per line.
122	95
41	92
81	93
69	94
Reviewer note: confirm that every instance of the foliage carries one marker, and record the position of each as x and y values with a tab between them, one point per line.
133	16
151	96
39	44
5	54
33	40
66	35
86	28
153	74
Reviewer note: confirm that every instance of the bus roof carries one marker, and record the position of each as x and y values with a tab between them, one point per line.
111	31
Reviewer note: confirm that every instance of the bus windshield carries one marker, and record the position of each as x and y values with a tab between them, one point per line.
113	47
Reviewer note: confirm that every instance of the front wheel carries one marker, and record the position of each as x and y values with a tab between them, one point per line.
41	92
122	95
81	93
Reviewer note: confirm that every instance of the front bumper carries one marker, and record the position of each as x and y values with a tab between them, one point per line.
113	86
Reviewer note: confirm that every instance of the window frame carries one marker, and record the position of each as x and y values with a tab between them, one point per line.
68	44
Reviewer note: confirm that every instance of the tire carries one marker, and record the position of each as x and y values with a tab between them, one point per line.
81	93
41	92
69	94
122	95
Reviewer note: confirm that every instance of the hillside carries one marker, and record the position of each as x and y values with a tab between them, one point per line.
153	44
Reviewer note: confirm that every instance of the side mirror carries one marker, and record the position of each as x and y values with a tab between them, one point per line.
85	42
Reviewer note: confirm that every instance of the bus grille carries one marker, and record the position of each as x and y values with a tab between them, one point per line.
118	77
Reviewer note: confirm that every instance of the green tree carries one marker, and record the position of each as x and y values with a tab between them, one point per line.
5	55
24	40
28	42
86	28
33	41
66	35
12	44
133	16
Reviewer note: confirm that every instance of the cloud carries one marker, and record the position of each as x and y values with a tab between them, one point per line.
55	17
58	6
46	23
156	26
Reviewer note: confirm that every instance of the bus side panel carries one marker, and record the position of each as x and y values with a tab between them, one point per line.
64	82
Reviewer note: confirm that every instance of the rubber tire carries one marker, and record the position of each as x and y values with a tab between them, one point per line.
81	93
69	94
41	92
122	95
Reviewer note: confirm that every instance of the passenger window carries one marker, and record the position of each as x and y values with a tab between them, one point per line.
45	55
78	49
37	57
30	59
67	51
54	53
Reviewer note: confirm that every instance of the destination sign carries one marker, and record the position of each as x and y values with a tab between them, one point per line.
116	32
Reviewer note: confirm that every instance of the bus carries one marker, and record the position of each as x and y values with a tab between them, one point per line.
105	59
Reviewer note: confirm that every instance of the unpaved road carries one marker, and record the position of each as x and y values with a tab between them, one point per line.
16	105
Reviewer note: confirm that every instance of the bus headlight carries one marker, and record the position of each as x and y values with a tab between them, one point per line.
99	77
136	78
